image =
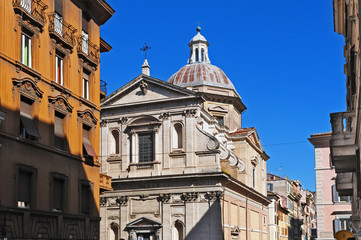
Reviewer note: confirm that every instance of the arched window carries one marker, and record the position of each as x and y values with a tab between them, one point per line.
202	54
197	57
113	232
114	142
178	231
254	177
177	136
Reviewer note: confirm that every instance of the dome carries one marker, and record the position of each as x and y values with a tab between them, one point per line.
198	74
199	71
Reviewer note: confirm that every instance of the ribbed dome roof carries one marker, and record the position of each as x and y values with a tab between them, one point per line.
198	74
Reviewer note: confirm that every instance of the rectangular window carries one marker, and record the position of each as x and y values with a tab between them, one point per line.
88	151
337	197
220	120
58	194
86	196
58	17
59	136
86	86
27	124
24	188
146	147
59	70
85	34
270	187
26	49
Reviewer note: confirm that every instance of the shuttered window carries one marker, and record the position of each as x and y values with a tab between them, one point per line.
88	149
24	189
85	85
58	194
146	147
59	70
59	141
27	125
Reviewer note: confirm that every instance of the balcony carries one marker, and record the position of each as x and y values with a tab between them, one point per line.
344	184
103	89
105	182
87	50
61	31
342	143
31	10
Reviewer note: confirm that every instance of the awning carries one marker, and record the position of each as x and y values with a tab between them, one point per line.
88	147
29	126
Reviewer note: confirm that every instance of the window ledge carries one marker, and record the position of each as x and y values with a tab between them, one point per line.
114	158
177	152
87	103
143	165
22	67
60	88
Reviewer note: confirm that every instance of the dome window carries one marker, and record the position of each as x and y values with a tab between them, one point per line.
202	54
197	58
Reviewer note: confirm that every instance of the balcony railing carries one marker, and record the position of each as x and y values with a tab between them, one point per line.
34	9
63	30
88	49
344	184
103	86
342	143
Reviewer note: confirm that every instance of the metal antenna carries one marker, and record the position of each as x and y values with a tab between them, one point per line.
145	48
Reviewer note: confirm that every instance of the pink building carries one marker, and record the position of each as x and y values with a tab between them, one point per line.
333	211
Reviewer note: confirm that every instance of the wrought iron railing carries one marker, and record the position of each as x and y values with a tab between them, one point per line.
60	27
103	86
35	8
88	48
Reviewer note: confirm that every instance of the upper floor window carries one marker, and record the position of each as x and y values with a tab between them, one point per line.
58	17
88	151
85	197
59	69
85	85
26	49
270	187
220	120
177	136
85	34
254	177
341	224
146	147
27	125
337	197
59	136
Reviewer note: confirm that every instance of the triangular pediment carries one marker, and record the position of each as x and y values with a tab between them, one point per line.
143	223
146	89
218	108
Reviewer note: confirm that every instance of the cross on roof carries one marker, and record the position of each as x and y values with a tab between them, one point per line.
145	48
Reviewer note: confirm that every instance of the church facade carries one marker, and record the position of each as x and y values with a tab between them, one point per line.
182	165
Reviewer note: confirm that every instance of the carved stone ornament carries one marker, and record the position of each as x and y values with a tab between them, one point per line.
103	122
87	115
123	120
163	198
28	84
61	102
103	201
190	112
121	200
189	197
225	154
164	116
143	87
210	196
241	165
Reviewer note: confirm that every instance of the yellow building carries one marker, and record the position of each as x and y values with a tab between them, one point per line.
49	117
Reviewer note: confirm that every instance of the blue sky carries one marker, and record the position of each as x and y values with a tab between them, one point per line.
282	56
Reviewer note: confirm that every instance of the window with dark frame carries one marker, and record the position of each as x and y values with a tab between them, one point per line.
115	135
28	129
220	120
58	194
24	188
146	147
86	196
